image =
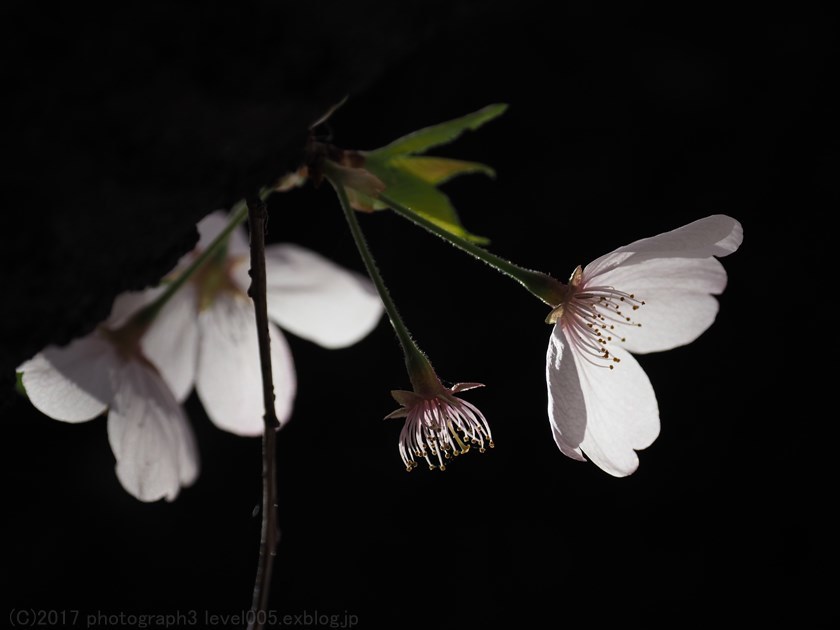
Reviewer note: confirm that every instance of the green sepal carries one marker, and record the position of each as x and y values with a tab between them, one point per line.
19	387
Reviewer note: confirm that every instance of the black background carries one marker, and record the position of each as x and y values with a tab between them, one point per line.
124	129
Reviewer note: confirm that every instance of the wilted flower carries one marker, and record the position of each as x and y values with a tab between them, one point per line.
439	425
206	334
654	294
147	429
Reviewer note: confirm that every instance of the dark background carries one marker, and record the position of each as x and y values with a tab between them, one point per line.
124	129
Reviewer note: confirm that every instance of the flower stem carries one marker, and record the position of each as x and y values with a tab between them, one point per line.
542	285
420	370
257	218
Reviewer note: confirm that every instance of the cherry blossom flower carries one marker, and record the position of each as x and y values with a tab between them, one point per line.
148	432
206	335
651	295
439	425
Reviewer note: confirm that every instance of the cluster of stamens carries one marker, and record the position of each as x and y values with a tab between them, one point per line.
440	428
595	316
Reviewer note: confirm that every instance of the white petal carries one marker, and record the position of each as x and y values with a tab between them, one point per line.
208	229
71	383
619	415
171	342
566	406
214	224
678	306
717	235
316	299
228	378
129	303
240	273
697	275
150	436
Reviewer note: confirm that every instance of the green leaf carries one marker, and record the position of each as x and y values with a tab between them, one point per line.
436	135
411	180
437	171
420	197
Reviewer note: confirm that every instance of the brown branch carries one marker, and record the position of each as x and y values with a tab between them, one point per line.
257	219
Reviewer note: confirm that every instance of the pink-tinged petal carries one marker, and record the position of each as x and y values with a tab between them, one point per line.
71	383
620	413
406	399
171	342
316	299
149	435
214	224
717	235
228	378
678	304
462	387
188	459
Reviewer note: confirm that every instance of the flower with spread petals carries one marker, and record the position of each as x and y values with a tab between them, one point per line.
206	334
651	295
147	429
439	425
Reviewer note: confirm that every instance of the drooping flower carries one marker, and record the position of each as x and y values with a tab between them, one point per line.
651	295
148	432
439	425
206	335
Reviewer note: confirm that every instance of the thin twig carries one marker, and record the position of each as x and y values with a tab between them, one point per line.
257	218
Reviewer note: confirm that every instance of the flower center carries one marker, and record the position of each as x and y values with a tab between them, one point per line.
126	338
215	277
440	428
593	317
126	341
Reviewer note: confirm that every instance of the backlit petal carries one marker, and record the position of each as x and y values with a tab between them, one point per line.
670	319
621	414
698	275
717	235
228	378
678	305
71	383
566	406
171	342
149	435
316	299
